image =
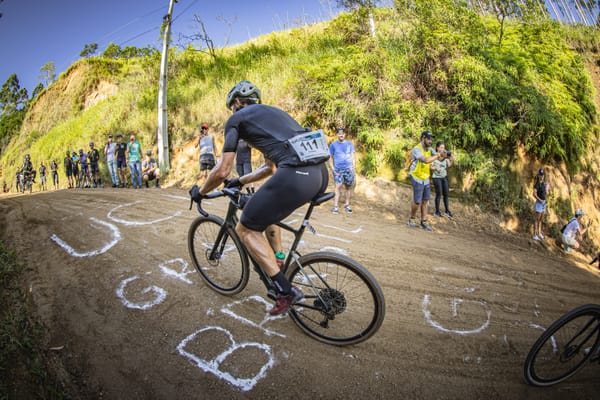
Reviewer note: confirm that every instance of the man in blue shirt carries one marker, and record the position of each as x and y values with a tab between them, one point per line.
342	165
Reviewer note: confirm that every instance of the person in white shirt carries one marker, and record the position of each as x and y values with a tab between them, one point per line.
573	232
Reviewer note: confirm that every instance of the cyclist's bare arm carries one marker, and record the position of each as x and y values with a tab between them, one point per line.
262	172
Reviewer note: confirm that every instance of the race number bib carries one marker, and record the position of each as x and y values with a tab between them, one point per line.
310	145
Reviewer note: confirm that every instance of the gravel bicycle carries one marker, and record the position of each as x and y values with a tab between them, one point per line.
343	303
565	347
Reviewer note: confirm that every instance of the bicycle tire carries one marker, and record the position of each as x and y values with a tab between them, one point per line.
356	299
227	274
550	360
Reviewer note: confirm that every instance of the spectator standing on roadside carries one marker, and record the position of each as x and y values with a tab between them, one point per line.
243	160
439	175
342	166
206	143
150	170
75	163
68	163
420	169
573	232
54	171
94	157
541	188
110	152
84	170
134	152
42	171
121	152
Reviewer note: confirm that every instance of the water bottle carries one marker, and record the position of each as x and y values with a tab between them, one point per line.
280	257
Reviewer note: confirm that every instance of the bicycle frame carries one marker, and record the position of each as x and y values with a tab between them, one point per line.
573	349
231	220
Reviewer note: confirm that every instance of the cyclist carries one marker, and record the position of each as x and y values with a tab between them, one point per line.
297	177
68	162
28	170
120	152
94	157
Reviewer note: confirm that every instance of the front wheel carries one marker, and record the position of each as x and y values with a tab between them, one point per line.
218	255
564	347
343	303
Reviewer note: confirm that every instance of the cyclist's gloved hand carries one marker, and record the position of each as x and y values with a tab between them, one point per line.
195	193
233	183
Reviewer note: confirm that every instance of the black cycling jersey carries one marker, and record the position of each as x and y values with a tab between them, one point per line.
121	149
94	155
267	129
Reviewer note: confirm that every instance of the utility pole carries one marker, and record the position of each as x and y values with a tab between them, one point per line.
163	134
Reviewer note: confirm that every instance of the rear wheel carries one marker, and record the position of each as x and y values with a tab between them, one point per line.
218	255
346	305
564	347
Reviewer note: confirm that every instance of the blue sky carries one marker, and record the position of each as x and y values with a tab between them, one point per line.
34	32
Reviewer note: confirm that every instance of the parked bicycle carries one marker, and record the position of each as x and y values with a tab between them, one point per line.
343	303
565	347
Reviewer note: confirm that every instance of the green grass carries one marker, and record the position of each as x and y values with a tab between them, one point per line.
23	371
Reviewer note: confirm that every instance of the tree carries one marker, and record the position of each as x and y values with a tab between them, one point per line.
112	51
37	90
48	73
12	95
367	5
89	50
207	45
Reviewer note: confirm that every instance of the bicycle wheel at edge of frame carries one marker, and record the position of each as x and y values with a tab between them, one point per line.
529	373
239	284
368	280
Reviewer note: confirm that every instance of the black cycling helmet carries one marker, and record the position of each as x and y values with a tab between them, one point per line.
245	89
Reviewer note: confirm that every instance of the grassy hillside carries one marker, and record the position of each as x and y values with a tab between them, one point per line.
505	105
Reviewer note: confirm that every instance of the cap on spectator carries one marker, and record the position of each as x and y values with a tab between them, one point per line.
148	152
427	135
110	135
541	171
204	126
340	129
578	212
91	144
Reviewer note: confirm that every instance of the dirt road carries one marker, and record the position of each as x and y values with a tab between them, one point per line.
128	317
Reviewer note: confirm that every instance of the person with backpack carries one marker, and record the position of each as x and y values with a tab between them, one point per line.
541	188
573	231
419	171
